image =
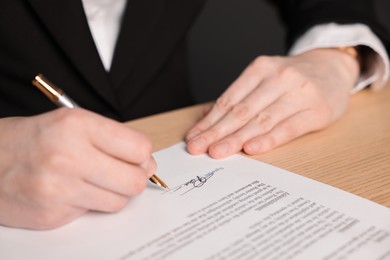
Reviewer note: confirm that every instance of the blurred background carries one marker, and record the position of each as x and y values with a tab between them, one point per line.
229	34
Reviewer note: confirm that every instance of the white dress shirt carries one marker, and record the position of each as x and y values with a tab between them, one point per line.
104	19
335	35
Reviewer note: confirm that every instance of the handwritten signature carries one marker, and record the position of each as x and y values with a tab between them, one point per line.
194	183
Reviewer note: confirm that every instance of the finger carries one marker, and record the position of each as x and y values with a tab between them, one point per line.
207	109
44	219
238	90
240	115
90	197
261	124
119	140
76	192
115	175
290	129
151	168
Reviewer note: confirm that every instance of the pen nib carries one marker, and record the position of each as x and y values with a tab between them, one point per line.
156	180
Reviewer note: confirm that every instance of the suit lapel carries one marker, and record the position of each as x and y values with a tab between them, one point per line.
151	32
139	22
66	22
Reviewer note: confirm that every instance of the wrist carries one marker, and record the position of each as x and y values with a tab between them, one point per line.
353	52
351	59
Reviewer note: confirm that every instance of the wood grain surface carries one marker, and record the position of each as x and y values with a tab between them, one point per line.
353	154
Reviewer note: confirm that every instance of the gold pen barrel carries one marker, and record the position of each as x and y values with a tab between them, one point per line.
55	94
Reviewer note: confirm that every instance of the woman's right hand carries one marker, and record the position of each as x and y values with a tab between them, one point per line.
56	166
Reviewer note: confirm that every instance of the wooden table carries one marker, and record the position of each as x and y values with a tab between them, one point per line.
353	154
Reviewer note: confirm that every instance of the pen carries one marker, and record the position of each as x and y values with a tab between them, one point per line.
57	96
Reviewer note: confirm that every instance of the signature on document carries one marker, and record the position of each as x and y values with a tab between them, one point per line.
194	183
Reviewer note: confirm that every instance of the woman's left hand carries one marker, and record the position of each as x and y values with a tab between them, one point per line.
275	100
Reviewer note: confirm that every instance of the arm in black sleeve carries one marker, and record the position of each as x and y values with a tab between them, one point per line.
301	15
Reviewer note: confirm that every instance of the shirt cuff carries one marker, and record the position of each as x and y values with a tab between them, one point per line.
335	35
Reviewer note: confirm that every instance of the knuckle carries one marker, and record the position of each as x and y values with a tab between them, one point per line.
235	142
265	121
236	139
212	134
203	125
262	62
241	111
223	104
289	72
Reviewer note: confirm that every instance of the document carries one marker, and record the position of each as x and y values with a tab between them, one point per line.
236	208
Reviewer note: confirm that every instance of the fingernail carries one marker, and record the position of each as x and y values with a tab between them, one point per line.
221	149
199	144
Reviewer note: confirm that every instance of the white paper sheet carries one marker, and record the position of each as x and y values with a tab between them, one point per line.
235	208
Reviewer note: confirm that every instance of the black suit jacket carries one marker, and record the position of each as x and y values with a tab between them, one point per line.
149	69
